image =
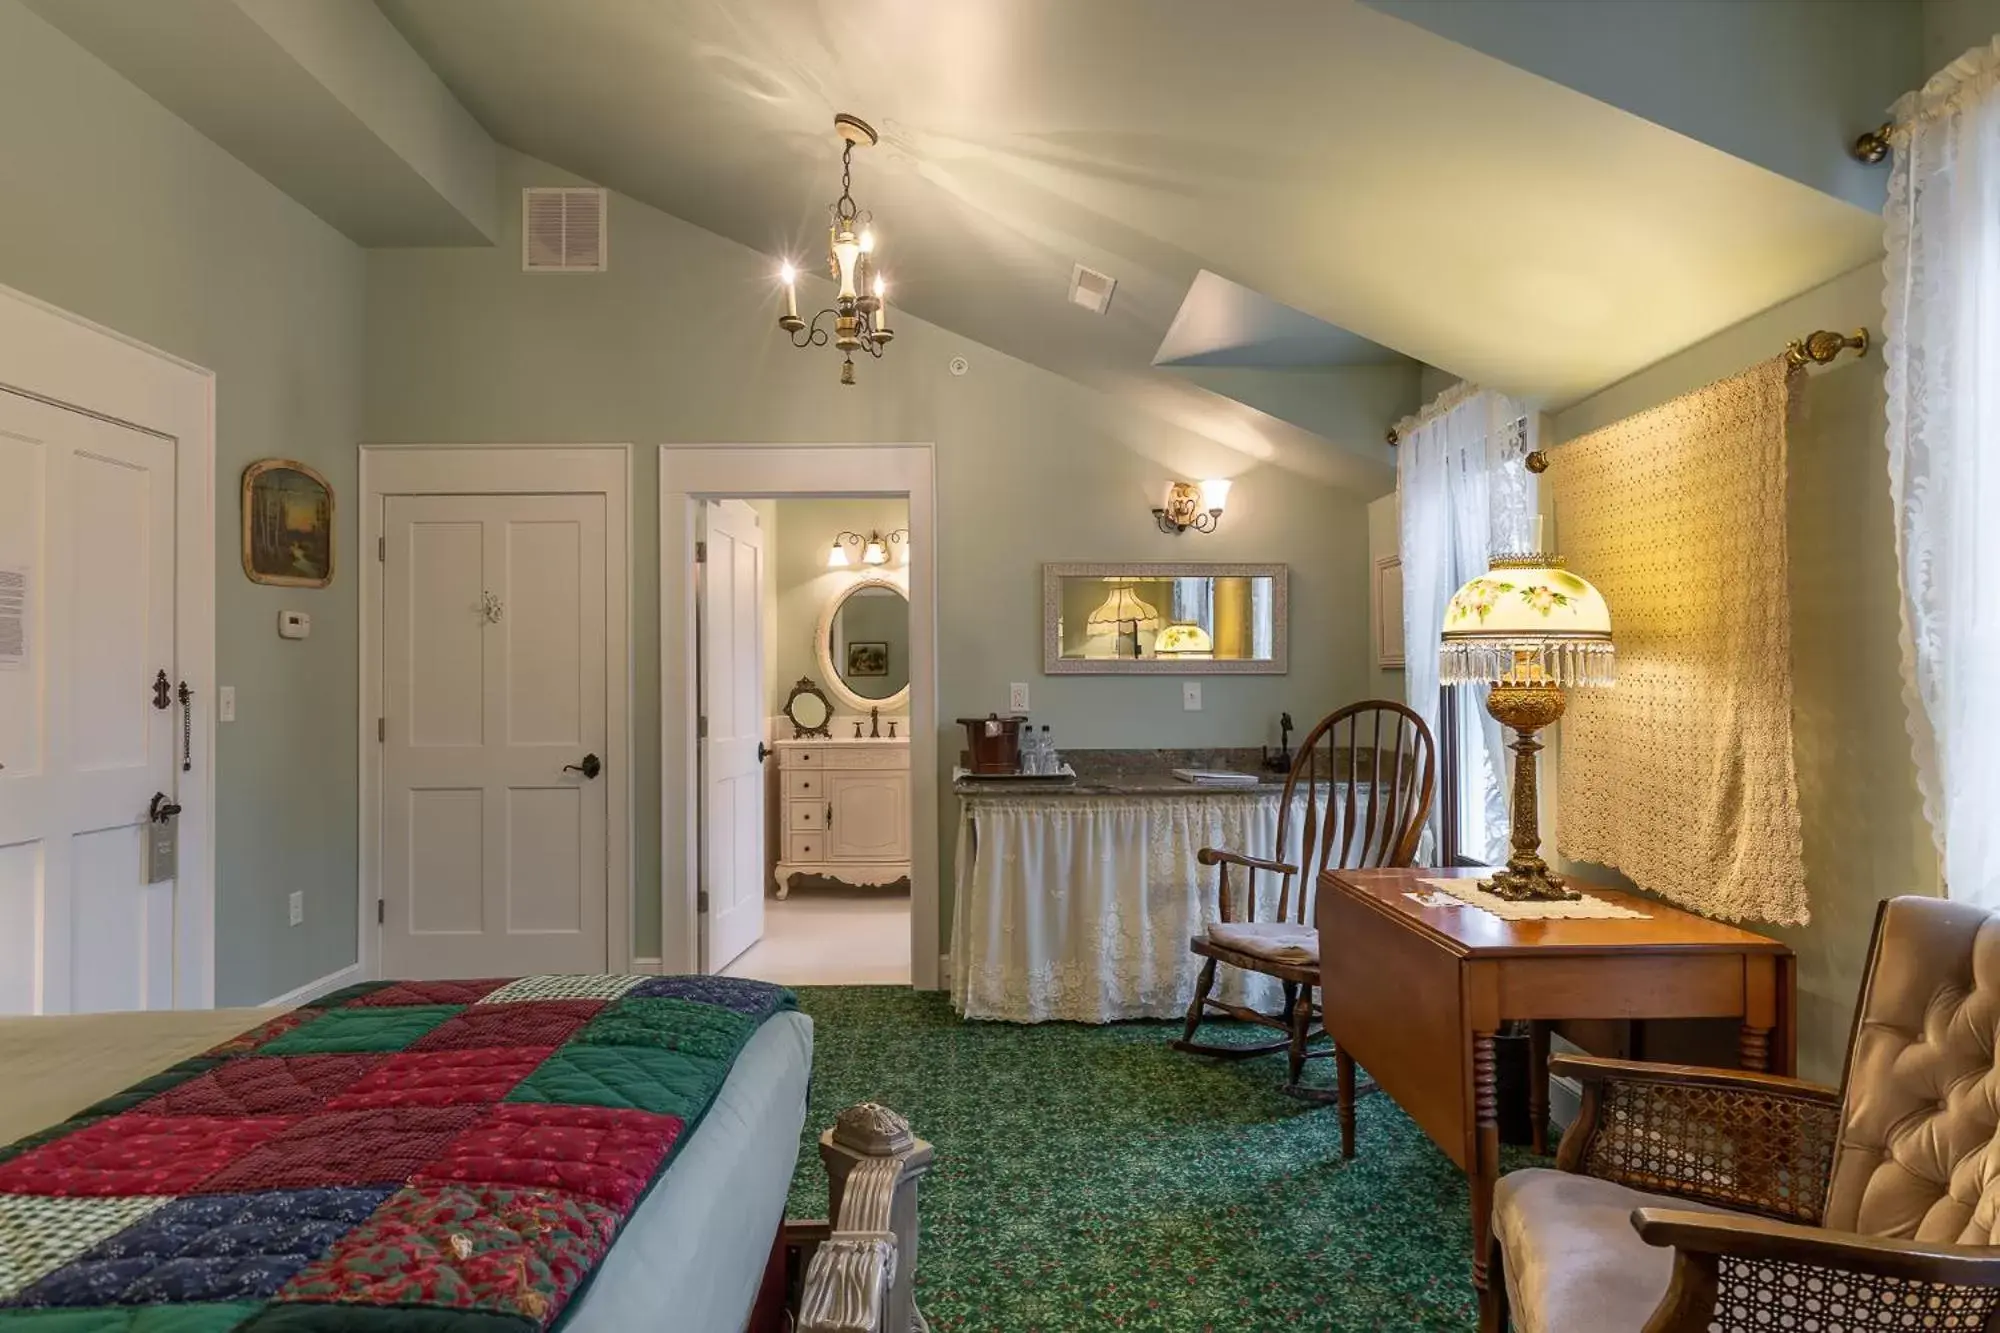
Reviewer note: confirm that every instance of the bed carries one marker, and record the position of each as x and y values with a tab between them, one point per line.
694	1249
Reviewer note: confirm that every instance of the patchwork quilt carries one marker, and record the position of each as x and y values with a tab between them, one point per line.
398	1157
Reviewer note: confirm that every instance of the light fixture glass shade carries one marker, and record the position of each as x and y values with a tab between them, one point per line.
873	554
1183	639
846	256
1123	610
837	557
1527	620
1215	494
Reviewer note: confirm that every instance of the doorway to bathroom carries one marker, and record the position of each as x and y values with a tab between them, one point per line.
798	714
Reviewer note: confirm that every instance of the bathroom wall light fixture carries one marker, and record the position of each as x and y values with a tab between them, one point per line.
874	548
1191	506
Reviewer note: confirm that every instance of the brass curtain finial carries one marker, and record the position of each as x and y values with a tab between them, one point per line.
1822	346
1393	438
1873	147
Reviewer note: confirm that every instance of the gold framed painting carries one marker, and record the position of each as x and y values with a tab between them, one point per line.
287	524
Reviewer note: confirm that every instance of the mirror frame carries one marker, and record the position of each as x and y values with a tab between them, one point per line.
1055	664
806	688
823	645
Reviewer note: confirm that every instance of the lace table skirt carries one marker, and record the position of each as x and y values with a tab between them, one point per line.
1080	908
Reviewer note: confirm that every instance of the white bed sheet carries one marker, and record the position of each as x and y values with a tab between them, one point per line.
692	1257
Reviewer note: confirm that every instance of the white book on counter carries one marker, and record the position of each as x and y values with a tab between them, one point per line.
1215	777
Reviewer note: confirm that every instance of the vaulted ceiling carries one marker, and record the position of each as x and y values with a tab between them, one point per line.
1306	188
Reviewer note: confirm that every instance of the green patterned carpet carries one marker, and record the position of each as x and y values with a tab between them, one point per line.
1089	1178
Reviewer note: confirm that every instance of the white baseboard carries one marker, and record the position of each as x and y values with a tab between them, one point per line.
649	966
312	990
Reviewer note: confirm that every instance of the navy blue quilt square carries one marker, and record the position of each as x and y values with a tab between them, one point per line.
745	997
215	1247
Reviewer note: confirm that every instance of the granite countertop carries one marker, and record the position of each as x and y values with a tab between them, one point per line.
1134	773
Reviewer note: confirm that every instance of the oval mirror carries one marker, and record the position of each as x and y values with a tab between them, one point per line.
808	709
864	644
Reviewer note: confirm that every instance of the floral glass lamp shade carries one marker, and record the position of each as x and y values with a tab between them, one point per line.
1123	610
1529	628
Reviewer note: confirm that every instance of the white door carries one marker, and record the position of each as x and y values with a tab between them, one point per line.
493	821
732	748
86	628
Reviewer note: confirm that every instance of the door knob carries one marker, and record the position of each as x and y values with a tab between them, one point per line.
764	752
590	767
162	808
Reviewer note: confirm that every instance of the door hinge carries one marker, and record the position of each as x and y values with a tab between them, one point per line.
381	729
701	900
701	728
381	548
701	553
381	912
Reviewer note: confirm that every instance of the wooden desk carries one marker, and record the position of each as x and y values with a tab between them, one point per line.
1415	994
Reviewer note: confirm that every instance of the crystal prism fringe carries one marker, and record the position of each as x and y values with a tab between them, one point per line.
1586	664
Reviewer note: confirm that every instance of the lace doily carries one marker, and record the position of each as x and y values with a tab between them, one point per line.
1585	908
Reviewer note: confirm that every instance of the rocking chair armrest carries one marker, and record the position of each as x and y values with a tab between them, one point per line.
1654	1127
1763	1268
1216	856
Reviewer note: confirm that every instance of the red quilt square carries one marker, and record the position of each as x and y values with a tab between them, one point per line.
263	1032
535	1023
443	1078
463	1247
263	1085
432	992
382	1146
598	1152
139	1154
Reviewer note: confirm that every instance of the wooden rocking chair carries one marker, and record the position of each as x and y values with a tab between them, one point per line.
1372	766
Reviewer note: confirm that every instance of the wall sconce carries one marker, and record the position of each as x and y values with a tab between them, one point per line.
1192	506
874	548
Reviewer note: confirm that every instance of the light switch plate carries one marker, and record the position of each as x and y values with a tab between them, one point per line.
225	704
298	908
1017	697
1191	695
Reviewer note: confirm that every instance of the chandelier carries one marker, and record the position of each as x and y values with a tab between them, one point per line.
859	316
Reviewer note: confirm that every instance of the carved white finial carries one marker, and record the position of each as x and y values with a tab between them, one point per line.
873	1131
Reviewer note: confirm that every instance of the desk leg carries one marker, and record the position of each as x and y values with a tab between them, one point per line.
1753	1048
1343	1069
1760	1013
1538	1085
1485	1172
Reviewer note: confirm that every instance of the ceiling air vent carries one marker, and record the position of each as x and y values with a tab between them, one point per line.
1091	289
562	229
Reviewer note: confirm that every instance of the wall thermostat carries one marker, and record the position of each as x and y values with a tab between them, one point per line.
294	624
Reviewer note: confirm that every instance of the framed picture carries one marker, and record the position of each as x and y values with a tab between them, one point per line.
287	524
1388	608
867	659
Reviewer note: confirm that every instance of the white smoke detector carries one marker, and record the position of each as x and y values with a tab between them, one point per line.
563	229
1091	289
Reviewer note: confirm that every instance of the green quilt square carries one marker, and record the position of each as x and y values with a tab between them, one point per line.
148	1088
203	1318
671	1025
627	1077
346	1031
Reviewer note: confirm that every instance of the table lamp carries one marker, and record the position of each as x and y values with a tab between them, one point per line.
1123	608
1529	628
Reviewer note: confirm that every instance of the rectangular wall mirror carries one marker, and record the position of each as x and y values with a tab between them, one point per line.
1163	619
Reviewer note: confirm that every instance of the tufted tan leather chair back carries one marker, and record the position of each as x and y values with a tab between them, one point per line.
1917	1158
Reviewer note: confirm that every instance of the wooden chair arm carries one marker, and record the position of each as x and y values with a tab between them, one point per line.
1762	1272
1216	856
1756	1143
860	1278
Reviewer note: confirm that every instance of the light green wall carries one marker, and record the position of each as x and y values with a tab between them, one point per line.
1862	821
1383	540
677	343
118	211
803	582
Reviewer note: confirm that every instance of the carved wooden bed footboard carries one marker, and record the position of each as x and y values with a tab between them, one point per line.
859	1269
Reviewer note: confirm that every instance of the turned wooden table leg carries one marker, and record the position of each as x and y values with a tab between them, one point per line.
1343	1069
1753	1048
1486	1164
1761	1007
1538	1086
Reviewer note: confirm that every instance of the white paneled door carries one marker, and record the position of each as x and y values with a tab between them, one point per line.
732	747
86	630
493	824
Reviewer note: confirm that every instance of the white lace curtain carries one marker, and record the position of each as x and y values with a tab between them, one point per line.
1464	495
1942	298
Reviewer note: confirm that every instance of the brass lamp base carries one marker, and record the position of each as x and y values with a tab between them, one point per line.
1526	709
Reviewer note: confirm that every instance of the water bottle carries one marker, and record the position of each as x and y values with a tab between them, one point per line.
1030	761
1045	752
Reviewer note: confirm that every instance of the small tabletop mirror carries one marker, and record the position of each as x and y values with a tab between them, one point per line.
864	644
808	709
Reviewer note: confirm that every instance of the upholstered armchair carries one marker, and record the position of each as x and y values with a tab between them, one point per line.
1690	1200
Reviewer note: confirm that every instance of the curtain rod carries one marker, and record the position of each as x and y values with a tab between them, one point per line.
1819	347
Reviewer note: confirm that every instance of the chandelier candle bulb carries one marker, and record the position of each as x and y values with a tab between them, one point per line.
789	276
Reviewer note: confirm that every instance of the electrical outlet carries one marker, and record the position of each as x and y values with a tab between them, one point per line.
1017	697
298	909
1191	695
225	704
